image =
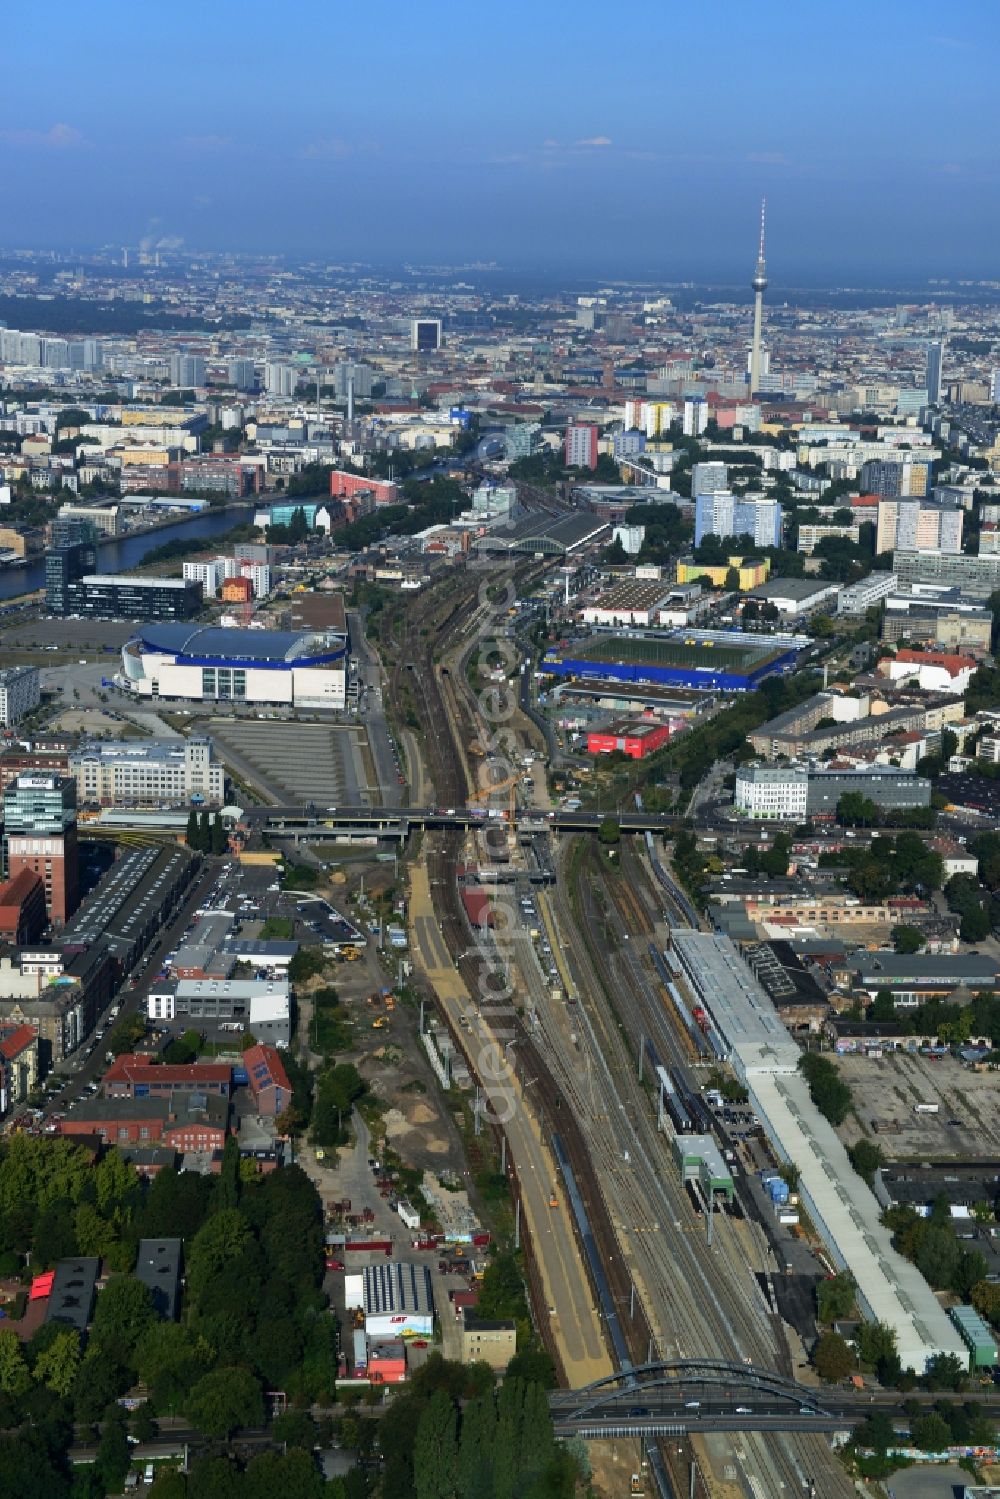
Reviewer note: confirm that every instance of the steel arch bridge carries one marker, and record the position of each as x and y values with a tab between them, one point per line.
689	1395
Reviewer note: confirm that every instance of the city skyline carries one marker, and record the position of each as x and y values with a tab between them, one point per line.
434	139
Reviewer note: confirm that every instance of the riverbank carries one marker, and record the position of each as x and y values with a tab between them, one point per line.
122	554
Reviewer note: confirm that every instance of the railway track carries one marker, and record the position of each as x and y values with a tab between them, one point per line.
723	1311
606	1141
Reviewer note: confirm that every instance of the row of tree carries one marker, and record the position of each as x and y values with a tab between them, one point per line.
207	835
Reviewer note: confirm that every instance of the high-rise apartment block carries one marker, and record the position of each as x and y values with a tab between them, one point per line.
896	477
280	379
20	692
695	418
581	445
242	374
722	514
935	358
187	370
360	376
39	816
709	478
918	526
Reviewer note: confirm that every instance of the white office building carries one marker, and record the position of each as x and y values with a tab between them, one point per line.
148	772
771	792
855	598
20	692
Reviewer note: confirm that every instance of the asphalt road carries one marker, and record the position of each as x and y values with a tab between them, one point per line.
85	1068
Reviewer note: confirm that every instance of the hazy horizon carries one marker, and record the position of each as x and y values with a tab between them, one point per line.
632	146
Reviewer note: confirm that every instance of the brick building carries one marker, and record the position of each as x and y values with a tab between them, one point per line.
23	917
272	1092
133	1076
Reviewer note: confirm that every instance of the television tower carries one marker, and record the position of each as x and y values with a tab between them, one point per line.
759	284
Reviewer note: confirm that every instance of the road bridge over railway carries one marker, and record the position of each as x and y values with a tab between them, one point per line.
694	1395
395	822
687	1396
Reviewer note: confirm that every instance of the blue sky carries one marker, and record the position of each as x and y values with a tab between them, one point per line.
606	140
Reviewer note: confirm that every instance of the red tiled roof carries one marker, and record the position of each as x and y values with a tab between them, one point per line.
269	1058
953	664
133	1068
13	1041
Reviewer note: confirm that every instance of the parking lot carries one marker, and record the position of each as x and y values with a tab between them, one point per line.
887	1090
321	763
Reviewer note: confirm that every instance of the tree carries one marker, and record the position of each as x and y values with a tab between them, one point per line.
985	1298
609	830
296	1428
975	925
829	1093
882	1007
218	839
832	1358
224	1401
945	1371
15	1378
835	1297
214	1478
855	810
227	1188
876	1343
907	939
435	1450
100	1380
56	1365
193	835
204	833
221	1240
292	1474
866	1159
170	1358
931	1433
476	1448
113	1453
123	1313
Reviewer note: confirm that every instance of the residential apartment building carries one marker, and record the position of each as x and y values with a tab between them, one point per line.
20	693
919	526
896	477
720	513
580	446
976	577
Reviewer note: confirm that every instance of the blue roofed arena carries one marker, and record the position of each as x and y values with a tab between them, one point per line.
208	663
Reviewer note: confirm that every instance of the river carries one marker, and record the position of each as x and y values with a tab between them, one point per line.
120	556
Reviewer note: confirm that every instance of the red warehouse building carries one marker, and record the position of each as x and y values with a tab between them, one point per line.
344	486
133	1076
636	740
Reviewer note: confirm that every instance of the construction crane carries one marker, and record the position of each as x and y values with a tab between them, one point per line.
510	785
